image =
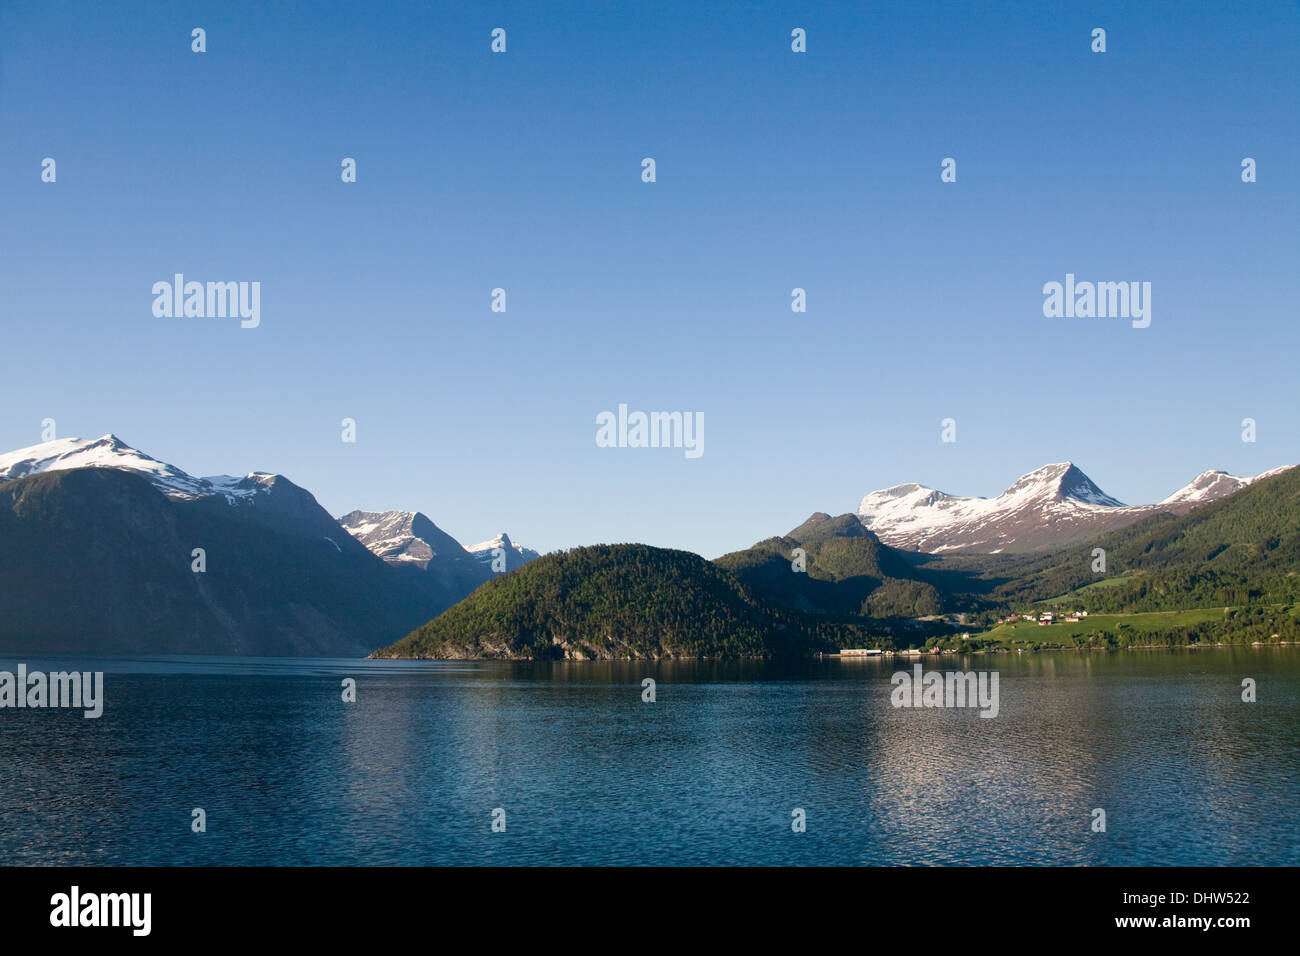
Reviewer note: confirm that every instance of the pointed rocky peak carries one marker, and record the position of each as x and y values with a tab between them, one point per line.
500	541
515	554
402	537
1058	482
389	535
442	543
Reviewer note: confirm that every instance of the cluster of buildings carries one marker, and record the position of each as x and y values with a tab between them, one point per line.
1044	619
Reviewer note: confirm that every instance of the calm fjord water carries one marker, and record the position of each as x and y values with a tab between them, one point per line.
708	774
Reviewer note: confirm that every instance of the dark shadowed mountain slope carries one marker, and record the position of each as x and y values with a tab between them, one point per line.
100	560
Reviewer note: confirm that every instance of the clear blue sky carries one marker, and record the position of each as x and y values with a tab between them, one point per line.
775	170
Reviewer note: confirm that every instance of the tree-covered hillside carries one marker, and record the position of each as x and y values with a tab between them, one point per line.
606	602
847	572
635	601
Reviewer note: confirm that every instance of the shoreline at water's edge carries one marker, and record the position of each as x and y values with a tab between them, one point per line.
838	656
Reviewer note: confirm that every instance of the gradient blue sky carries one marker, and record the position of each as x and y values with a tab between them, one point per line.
775	170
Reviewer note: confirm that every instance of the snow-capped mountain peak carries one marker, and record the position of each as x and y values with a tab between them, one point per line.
1206	485
515	554
1209	485
1048	502
109	451
1058	482
1052	505
500	541
402	537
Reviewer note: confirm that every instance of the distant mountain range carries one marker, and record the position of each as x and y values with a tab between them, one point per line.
396	536
831	584
96	553
1047	508
106	549
109	451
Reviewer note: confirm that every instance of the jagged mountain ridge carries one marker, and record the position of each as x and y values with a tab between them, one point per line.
1052	506
409	539
396	536
109	451
96	529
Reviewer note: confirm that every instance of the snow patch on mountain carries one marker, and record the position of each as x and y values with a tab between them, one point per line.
109	451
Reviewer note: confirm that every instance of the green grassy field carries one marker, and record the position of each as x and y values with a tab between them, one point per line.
1029	632
1095	586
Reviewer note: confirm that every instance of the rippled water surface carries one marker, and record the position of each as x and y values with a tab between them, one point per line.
707	774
